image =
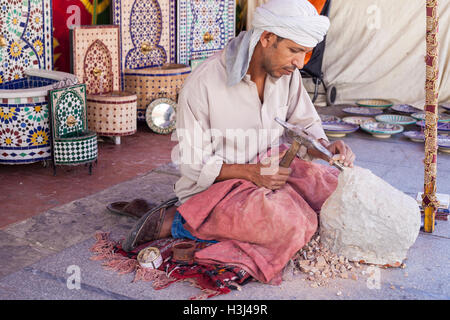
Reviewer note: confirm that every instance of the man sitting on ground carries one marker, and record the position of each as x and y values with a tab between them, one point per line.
227	193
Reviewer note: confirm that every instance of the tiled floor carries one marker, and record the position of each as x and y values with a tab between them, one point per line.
27	190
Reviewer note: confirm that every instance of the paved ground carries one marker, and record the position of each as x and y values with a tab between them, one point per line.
136	155
35	254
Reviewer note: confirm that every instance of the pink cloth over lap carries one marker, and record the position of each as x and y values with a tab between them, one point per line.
259	229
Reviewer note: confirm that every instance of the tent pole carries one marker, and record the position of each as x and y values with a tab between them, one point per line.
429	201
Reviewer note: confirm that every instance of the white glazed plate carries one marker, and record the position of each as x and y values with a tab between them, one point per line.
395	119
338	129
381	130
444	144
415	136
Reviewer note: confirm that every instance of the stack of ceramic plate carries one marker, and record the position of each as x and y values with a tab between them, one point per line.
338	129
395	119
419	136
444	144
374	103
444	118
358	120
443	128
328	118
381	130
362	111
404	109
421	116
415	136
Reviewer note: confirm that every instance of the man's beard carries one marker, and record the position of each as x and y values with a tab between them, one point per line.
267	66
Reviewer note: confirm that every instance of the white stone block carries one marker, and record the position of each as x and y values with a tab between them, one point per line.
368	219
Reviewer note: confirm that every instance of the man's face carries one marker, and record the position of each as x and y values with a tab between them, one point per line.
283	56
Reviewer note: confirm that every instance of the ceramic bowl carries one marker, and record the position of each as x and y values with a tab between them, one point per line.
443	128
444	118
418	115
416	136
358	120
395	119
404	108
339	129
421	116
381	130
375	103
329	118
362	111
444	144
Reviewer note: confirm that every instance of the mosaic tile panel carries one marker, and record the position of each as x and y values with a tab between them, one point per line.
148	32
69	111
72	142
204	27
26	33
96	58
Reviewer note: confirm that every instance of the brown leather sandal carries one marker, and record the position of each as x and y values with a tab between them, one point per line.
135	208
148	227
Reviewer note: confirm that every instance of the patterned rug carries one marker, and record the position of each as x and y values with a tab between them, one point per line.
212	280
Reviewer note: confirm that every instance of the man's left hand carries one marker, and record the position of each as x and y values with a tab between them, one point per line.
341	152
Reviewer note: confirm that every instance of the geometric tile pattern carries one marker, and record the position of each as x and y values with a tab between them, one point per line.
96	57
204	27
112	114
69	111
28	155
26	30
76	151
147	30
26	83
25	125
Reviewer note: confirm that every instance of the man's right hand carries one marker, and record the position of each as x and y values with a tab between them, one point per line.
269	174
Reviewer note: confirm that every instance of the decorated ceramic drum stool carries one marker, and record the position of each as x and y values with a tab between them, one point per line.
112	114
155	83
73	143
96	62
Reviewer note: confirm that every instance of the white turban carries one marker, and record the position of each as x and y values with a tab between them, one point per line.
296	20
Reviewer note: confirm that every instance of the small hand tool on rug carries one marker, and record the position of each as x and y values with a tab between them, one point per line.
183	252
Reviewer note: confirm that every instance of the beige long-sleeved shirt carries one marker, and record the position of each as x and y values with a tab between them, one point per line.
217	124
